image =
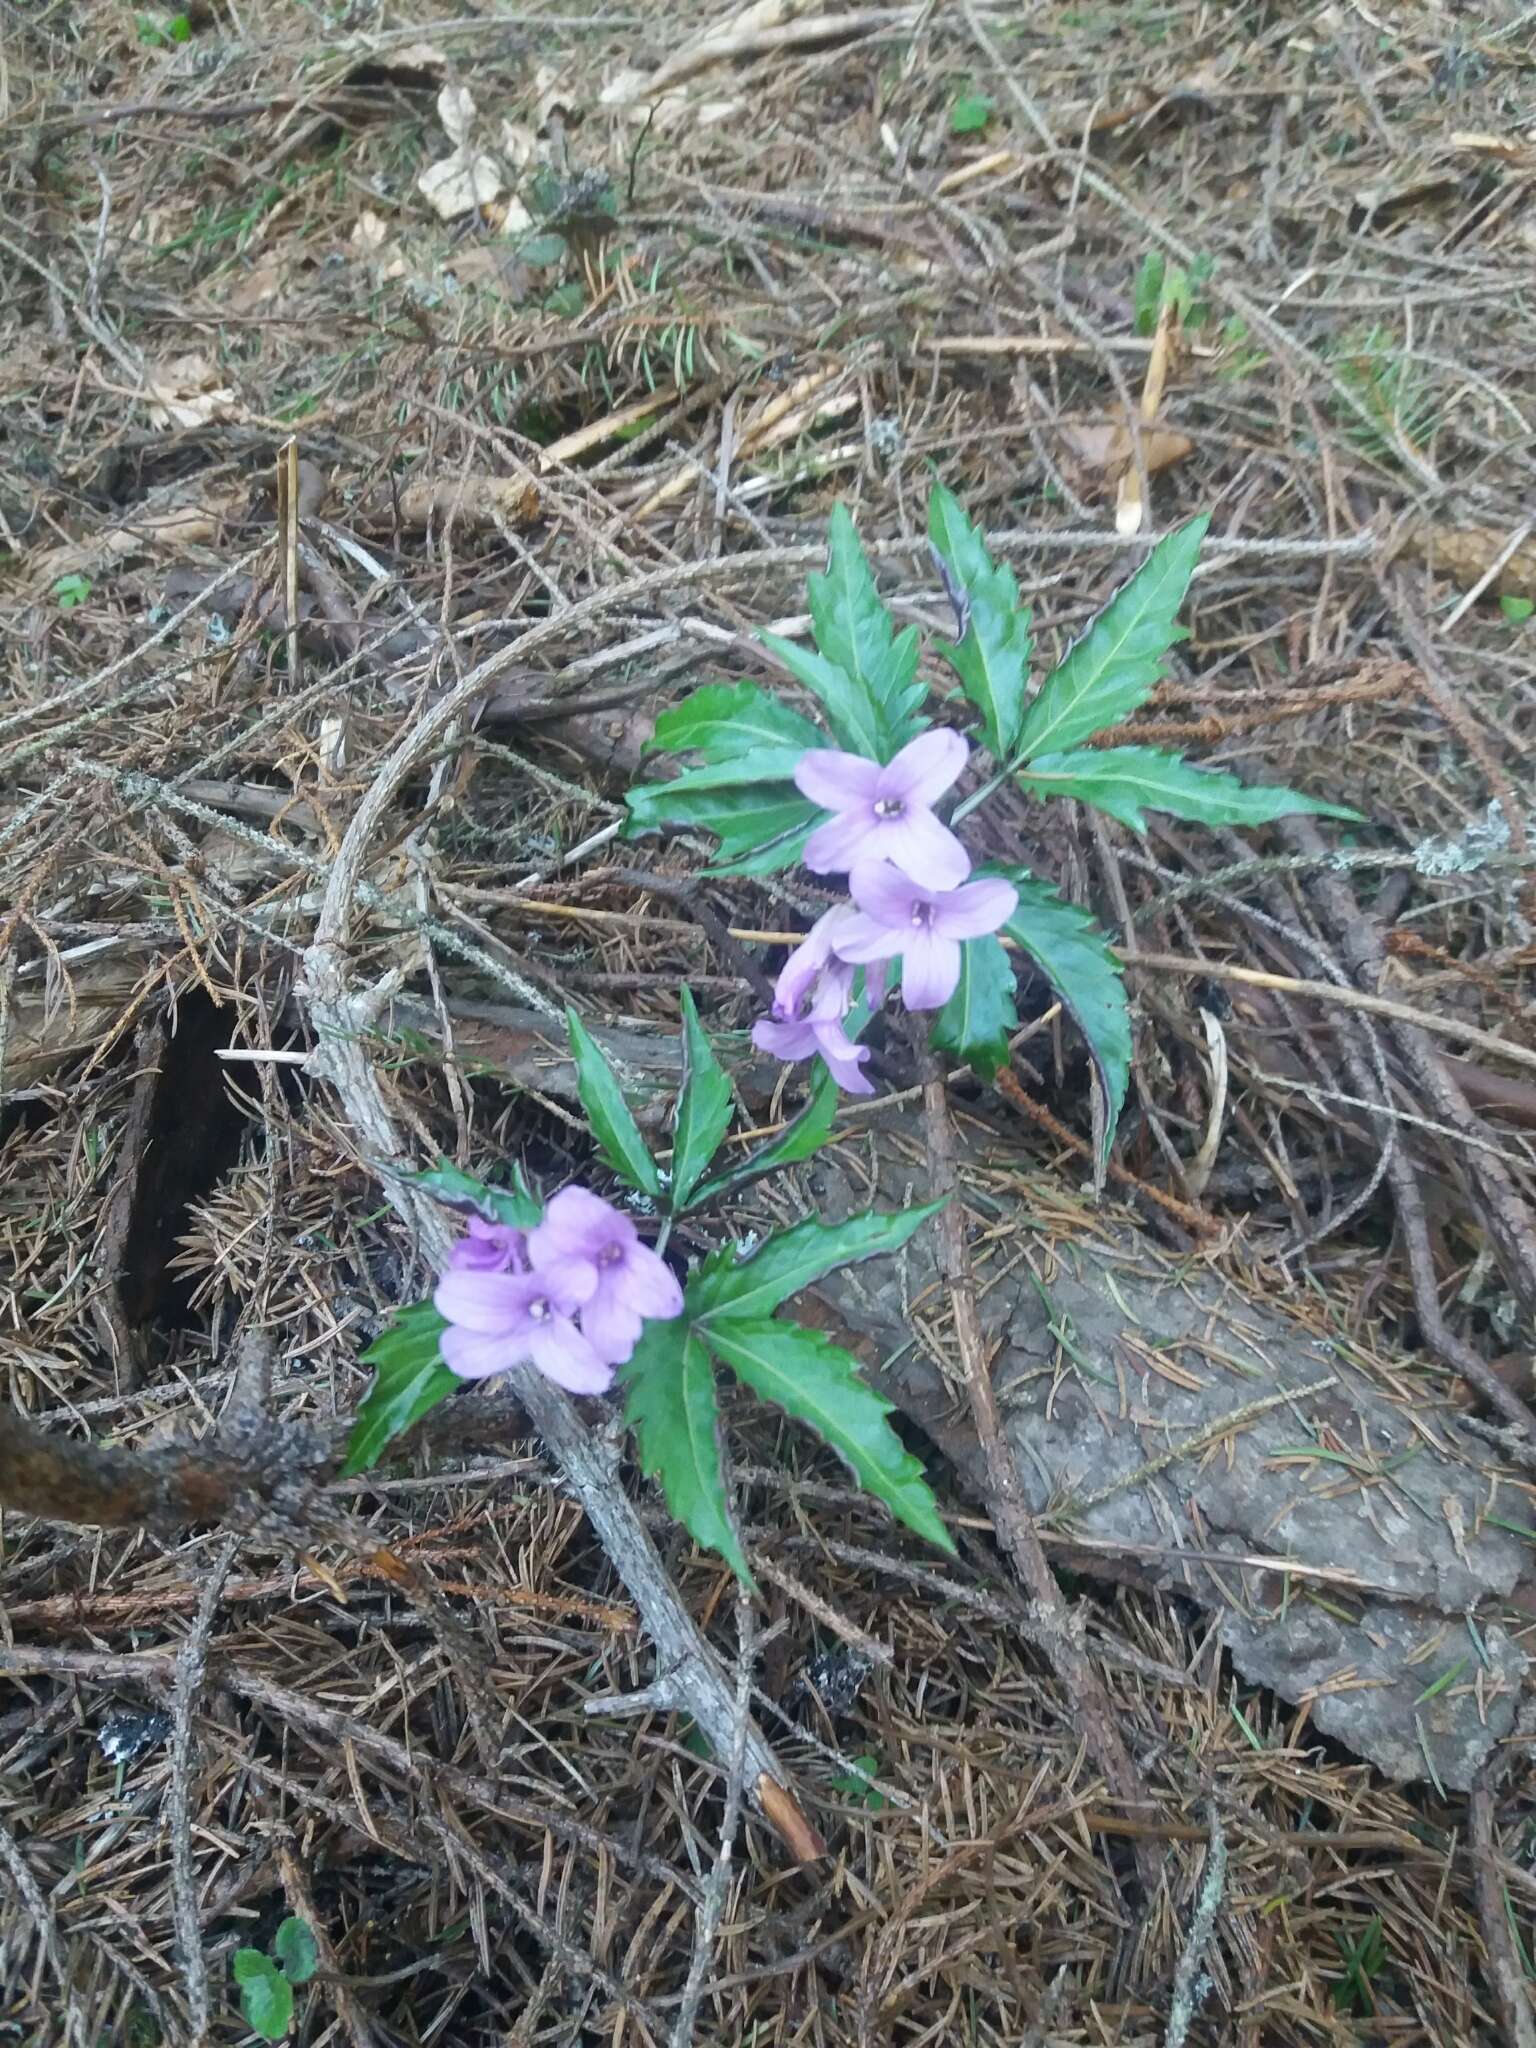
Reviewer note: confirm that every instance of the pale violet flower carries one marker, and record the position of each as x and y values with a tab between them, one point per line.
804	967
593	1249
925	926
815	1028
489	1248
498	1320
568	1297
885	813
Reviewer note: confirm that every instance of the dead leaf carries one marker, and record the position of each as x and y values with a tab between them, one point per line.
456	111
519	144
460	184
186	392
369	232
1100	452
1465	553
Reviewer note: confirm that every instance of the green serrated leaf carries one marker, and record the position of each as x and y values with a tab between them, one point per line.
1125	781
296	1951
816	1381
727	1286
760	829
460	1190
969	114
613	1125
266	1996
670	1404
409	1378
807	1134
1073	954
980	1017
1117	662
852	714
992	656
703	1108
755	765
858	635
726	720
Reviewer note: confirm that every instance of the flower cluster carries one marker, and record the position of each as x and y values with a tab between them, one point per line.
568	1297
907	877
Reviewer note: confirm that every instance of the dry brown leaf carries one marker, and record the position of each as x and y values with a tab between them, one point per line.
1100	452
1465	553
186	392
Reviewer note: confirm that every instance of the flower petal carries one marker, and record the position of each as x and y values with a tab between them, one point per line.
978	908
577	1224
610	1328
838	781
930	970
786	1041
834	847
884	893
648	1285
925	767
563	1355
868	939
477	1358
486	1248
568	1282
490	1304
919	845
845	1060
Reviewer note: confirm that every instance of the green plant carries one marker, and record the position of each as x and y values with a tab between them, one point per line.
858	1783
760	759
70	591
163	35
970	113
267	1981
1517	609
1160	283
728	1314
1400	410
1363	1961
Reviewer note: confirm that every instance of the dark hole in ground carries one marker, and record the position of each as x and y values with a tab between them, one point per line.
193	1138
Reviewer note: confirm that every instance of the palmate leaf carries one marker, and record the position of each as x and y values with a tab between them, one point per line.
613	1124
703	1107
670	1404
409	1378
1115	665
856	633
726	720
980	1017
806	1134
725	1285
1073	954
991	657
811	1378
1128	781
456	1189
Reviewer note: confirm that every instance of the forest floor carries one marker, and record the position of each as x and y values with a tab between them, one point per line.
1098	267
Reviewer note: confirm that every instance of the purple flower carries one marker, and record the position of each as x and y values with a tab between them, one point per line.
586	1244
498	1320
886	813
489	1248
925	926
815	952
817	1027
